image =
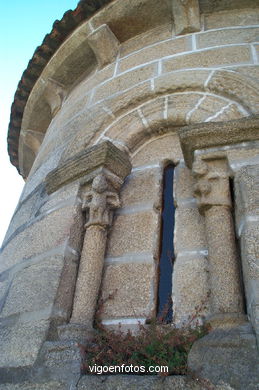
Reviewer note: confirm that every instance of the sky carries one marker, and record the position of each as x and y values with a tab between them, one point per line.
23	25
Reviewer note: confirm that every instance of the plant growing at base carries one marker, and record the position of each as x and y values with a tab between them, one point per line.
155	344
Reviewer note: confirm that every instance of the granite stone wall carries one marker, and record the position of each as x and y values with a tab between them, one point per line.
135	87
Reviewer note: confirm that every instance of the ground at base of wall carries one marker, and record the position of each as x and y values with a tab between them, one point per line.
122	382
225	359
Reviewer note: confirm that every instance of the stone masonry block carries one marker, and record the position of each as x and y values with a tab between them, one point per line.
71	107
121	102
229	113
141	187
193	79
157	51
226	37
244	17
250	251
132	233
190	287
132	287
84	127
24	213
104	44
251	71
124	81
169	111
179	105
257	50
63	224
96	78
207	108
226	55
54	146
63	197
28	291
4	286
238	156
186	16
246	190
183	183
20	342
159	150
189	229
153	112
152	36
233	355
234	84
36	177
129	130
131	17
252	301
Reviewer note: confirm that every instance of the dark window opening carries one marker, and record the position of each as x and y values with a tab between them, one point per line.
166	260
232	194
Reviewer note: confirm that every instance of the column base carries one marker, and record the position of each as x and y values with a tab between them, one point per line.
226	320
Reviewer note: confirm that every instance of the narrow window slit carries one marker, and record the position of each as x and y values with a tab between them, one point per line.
166	260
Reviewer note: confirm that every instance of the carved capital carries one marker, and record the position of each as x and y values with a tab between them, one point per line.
99	202
212	183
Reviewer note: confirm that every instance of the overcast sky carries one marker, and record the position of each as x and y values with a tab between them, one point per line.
23	25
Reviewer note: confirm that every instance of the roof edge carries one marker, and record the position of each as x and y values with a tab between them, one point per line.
60	31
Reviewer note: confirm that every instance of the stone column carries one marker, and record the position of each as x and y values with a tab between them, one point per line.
214	201
100	170
247	217
99	201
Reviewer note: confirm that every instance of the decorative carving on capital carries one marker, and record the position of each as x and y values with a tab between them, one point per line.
212	184
100	202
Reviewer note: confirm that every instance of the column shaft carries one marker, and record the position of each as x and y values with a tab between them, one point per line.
226	294
214	202
89	275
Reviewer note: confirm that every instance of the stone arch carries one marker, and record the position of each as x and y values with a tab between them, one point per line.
239	91
223	82
168	112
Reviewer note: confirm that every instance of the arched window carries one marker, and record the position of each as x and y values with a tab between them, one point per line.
166	260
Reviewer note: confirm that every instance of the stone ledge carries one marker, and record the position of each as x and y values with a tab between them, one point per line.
208	135
52	385
229	355
119	382
145	382
101	156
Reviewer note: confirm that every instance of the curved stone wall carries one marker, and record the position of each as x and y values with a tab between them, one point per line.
135	87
